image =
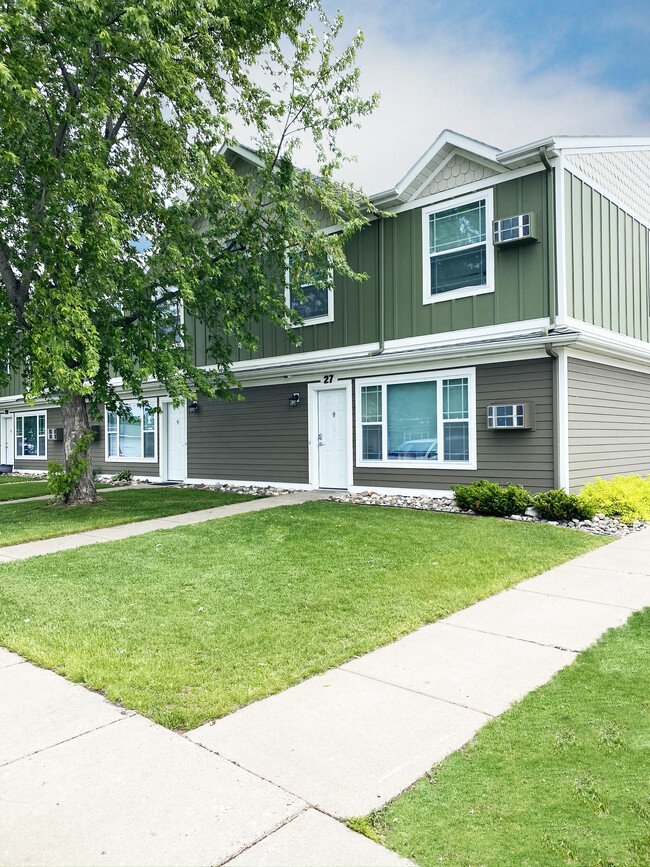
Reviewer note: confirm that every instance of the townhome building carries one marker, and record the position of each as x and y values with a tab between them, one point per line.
502	333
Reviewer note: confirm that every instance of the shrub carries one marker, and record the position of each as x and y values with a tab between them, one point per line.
627	496
60	481
122	476
560	506
489	498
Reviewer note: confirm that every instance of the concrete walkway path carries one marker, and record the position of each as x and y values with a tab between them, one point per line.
85	782
137	528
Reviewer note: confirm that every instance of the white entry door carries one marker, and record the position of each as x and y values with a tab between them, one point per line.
176	443
332	439
6	439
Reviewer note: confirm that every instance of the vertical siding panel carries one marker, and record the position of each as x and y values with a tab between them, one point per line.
629	284
576	221
614	269
569	241
597	258
605	273
587	258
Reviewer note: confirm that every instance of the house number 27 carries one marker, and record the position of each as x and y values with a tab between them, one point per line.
329	378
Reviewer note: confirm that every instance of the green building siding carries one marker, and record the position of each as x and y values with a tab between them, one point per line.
521	279
14	387
606	262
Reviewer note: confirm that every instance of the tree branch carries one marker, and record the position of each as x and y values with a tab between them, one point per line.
122	117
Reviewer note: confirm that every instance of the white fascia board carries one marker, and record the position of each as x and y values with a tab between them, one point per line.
528	151
602	143
433	357
610	343
446	137
473	187
618	363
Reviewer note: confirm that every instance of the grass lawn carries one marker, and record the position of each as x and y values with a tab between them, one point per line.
561	778
22	489
25	522
188	624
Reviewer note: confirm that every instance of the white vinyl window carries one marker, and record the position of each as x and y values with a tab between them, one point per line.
458	254
132	435
418	420
317	306
31	435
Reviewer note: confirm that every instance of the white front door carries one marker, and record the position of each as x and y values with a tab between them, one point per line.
175	443
332	439
6	439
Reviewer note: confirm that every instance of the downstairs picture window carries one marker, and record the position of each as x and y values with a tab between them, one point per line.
421	420
132	435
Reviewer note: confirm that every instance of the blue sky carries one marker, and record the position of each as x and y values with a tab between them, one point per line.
505	73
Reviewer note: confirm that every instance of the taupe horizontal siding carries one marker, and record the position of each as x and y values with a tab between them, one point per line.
97	451
522	457
261	438
609	422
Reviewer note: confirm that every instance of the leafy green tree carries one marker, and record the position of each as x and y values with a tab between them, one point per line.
118	200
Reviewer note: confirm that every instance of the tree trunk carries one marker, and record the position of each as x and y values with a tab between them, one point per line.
75	425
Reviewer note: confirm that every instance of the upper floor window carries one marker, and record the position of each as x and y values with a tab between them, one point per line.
132	435
31	435
457	248
317	305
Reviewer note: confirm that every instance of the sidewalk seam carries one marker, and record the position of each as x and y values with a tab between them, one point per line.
408	689
127	715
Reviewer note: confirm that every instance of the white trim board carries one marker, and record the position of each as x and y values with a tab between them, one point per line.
560	245
466	189
563	419
609	339
593	357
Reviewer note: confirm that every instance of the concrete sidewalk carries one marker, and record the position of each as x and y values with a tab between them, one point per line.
85	782
137	528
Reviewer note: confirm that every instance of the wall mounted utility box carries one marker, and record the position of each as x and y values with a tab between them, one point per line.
510	416
515	230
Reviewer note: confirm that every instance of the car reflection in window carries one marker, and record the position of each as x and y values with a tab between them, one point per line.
415	450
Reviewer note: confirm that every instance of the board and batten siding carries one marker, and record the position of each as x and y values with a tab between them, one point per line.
259	439
606	262
609	422
521	279
522	457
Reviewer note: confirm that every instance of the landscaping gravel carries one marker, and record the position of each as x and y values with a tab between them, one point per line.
601	525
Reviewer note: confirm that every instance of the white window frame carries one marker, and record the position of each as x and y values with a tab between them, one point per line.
24	415
312	320
440	463
122	460
463	291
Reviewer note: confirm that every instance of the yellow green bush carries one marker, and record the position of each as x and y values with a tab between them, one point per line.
627	496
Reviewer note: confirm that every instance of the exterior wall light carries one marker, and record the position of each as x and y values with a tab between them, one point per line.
193	406
294	400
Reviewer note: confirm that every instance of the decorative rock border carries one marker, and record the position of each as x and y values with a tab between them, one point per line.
600	526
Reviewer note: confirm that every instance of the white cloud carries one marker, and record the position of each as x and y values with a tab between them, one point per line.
483	91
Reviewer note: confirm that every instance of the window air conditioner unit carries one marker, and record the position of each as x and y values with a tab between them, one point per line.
510	416
55	433
515	230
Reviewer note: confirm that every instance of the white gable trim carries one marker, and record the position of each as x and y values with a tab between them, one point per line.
446	137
